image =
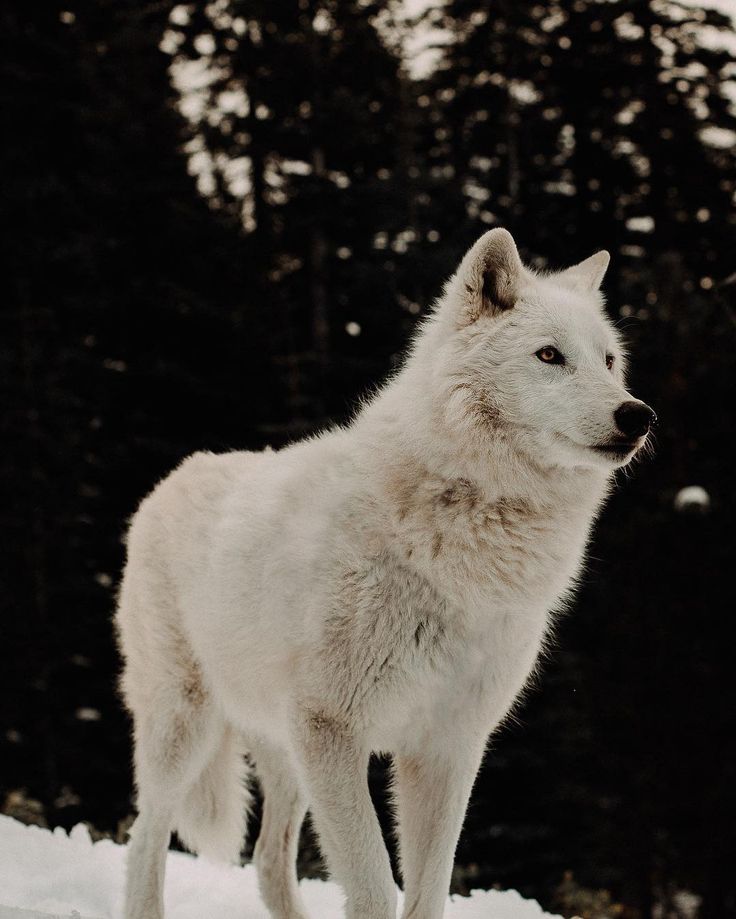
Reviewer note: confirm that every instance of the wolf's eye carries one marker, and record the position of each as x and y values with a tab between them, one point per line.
609	361
550	355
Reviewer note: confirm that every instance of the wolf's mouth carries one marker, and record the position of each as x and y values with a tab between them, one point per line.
616	447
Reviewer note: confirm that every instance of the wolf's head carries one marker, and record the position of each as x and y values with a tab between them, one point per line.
533	359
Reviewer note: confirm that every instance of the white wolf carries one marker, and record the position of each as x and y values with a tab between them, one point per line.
386	586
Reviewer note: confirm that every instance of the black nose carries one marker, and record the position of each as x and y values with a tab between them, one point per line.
634	419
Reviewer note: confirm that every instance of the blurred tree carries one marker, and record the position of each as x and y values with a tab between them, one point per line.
303	146
495	130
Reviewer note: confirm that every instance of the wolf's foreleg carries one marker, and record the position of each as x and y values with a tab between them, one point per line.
284	807
431	790
335	768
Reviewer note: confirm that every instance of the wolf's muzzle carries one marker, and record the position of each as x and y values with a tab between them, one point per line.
634	419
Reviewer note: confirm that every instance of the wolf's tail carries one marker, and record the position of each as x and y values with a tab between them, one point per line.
211	818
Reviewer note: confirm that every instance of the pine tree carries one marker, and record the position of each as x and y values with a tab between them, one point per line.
305	100
496	130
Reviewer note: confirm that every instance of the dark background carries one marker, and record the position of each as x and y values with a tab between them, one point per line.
154	303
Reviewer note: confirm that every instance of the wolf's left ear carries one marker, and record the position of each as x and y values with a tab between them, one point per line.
588	275
488	276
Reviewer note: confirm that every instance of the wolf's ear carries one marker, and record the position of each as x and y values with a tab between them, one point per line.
489	275
588	275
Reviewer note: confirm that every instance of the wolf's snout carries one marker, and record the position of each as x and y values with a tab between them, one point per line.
634	419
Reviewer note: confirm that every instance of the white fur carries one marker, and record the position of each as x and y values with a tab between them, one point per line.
382	587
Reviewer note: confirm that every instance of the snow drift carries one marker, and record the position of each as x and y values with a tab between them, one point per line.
49	874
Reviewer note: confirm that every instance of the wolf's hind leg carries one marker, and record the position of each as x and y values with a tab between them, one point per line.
169	751
284	807
178	736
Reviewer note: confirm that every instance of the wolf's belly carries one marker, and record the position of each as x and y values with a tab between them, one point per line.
249	678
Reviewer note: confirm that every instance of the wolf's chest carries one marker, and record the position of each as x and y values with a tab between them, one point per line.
493	554
398	640
461	672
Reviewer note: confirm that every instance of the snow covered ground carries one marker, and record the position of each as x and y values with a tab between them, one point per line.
49	874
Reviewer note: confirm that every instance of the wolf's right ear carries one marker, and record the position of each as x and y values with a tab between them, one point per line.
588	274
489	276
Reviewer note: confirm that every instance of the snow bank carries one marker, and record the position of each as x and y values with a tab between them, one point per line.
55	875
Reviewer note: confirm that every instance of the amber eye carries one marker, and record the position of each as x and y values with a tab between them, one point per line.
609	361
550	355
